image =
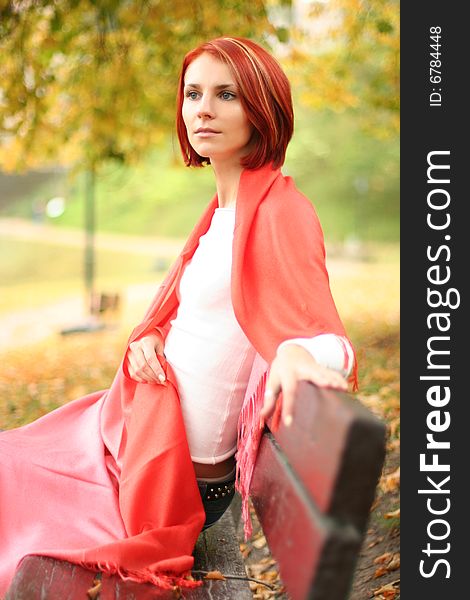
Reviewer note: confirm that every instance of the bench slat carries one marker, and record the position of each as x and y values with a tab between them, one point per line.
316	554
44	578
217	549
113	588
38	574
337	449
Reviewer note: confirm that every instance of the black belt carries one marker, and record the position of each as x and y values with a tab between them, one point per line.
218	490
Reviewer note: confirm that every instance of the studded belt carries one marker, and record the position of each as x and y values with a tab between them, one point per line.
216	491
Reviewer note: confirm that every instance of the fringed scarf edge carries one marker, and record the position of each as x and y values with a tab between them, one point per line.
163	580
250	431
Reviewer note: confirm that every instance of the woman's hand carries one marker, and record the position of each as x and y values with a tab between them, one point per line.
291	365
142	361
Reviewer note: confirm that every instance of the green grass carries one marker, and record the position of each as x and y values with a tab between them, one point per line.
34	273
352	179
155	197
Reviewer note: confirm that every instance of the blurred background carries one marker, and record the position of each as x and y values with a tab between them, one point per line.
95	202
93	194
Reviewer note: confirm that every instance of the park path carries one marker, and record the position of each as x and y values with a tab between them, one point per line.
22	229
30	325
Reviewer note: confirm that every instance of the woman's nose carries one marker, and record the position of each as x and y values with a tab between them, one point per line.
205	108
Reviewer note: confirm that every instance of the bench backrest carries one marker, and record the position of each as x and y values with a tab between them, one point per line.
313	487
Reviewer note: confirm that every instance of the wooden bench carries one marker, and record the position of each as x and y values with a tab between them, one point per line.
312	489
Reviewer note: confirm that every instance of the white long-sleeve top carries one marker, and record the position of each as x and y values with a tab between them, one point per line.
209	352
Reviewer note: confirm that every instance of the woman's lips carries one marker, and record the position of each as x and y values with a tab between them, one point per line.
206	132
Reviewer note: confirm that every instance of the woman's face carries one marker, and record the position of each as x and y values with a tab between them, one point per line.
215	120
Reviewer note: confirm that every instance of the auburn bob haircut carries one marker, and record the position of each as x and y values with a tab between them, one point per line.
265	95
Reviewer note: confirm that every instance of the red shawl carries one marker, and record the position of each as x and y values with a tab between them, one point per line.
280	290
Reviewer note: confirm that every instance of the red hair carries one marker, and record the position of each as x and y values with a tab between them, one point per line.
264	93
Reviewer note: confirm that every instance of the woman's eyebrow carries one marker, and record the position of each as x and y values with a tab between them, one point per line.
219	86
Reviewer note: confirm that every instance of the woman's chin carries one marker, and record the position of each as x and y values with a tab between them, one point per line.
204	149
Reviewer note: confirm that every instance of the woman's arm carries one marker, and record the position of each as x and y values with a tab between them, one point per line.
330	350
324	360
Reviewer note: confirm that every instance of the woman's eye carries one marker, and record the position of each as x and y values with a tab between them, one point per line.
227	95
191	95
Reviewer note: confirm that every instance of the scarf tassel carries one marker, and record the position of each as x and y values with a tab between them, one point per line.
166	581
250	431
354	378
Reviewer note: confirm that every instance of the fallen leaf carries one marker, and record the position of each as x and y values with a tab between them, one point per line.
388	595
394	564
260	542
214	575
267	560
388	589
255	569
383	558
380	572
390	482
395	514
94	591
270	576
267	594
264	594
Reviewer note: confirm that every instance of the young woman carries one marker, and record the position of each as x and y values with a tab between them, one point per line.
124	480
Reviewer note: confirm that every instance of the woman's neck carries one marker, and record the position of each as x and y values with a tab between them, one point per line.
227	179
